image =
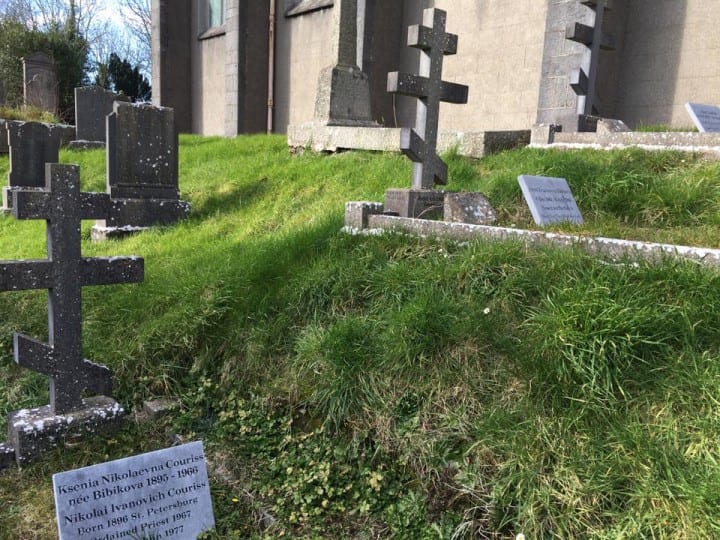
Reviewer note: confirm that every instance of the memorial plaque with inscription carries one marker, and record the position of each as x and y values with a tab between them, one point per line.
550	200
162	494
705	117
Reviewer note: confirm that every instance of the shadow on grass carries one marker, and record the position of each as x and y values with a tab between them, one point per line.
222	202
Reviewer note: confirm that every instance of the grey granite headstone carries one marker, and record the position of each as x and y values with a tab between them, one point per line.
142	157
92	105
142	170
41	84
161	494
62	206
31	146
468	207
550	200
705	117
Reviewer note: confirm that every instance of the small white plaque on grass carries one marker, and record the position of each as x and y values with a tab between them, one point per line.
550	200
162	494
705	117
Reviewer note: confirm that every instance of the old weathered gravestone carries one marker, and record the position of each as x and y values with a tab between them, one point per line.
32	145
63	273
550	200
142	169
41	84
92	105
465	207
705	117
420	143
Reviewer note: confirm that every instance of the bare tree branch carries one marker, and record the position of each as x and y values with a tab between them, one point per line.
137	14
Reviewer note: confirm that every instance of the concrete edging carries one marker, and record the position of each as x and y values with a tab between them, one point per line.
368	216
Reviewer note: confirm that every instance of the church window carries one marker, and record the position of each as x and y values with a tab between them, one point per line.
216	13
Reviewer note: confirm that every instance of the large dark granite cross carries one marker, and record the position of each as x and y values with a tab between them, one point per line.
64	273
420	142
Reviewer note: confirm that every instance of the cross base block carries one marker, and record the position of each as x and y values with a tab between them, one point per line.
33	431
129	216
415	203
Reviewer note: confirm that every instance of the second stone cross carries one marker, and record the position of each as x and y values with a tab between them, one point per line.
420	142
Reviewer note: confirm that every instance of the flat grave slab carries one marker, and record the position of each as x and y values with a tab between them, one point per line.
550	200
161	494
705	117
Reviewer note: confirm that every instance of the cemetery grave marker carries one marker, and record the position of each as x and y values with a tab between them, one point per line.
420	143
63	273
142	169
705	117
464	207
550	200
31	146
41	84
92	105
161	494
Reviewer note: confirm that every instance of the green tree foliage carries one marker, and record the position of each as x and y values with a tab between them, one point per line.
120	76
63	43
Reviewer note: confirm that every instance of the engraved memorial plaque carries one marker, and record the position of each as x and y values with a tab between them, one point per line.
550	200
161	494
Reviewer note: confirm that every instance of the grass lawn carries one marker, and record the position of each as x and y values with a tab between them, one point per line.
395	387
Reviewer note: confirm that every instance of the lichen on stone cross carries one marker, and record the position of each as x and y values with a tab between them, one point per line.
64	273
420	143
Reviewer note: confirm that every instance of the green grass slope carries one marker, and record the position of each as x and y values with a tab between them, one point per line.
395	387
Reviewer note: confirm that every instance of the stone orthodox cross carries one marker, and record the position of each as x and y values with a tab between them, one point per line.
420	142
64	273
583	80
